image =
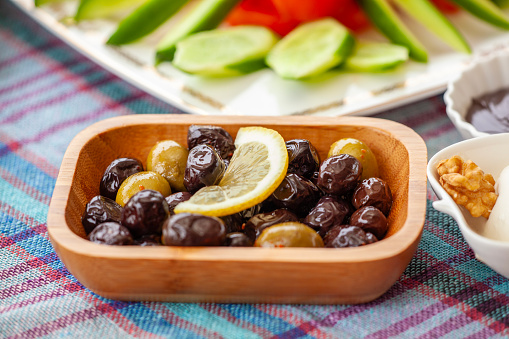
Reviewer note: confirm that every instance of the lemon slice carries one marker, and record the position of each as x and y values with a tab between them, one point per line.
256	169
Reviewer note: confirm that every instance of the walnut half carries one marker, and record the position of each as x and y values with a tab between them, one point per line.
468	185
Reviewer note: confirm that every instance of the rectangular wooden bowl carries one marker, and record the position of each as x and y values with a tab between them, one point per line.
227	274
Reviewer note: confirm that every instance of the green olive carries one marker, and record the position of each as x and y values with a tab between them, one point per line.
169	159
359	150
289	234
141	181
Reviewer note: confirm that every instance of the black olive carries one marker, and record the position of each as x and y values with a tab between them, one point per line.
111	233
303	159
176	198
204	168
347	236
148	240
98	210
256	224
118	170
190	229
214	136
238	239
145	213
373	192
339	174
296	194
370	219
328	212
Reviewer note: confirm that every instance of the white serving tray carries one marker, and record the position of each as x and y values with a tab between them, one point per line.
263	92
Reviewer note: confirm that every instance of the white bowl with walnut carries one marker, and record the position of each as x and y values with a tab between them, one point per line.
490	154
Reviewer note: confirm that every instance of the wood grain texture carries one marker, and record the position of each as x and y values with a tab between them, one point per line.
222	274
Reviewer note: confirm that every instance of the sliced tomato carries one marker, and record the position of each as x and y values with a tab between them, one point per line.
282	16
352	16
445	6
348	12
262	13
307	10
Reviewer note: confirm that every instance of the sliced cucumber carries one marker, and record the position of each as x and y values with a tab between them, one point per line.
225	52
144	20
311	49
501	3
384	17
96	9
375	57
431	18
38	3
207	14
485	10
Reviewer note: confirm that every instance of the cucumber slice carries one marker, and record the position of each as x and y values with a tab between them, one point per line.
485	10
383	16
38	3
144	20
375	57
96	9
225	52
501	3
208	14
311	49
431	18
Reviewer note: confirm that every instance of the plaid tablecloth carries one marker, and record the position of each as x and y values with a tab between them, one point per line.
48	93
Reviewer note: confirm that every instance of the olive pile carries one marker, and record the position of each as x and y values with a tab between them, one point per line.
318	204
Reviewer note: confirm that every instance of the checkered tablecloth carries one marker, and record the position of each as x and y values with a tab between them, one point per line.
48	93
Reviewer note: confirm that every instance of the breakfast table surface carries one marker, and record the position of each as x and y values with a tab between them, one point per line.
49	92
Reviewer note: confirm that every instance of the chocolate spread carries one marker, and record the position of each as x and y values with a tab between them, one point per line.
489	113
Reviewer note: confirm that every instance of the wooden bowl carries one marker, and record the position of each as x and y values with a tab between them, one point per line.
227	274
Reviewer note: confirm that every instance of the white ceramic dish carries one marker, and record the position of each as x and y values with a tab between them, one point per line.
490	154
485	75
264	93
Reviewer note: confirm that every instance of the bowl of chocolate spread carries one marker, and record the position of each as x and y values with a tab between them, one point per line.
477	100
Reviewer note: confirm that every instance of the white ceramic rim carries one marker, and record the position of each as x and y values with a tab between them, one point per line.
464	127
